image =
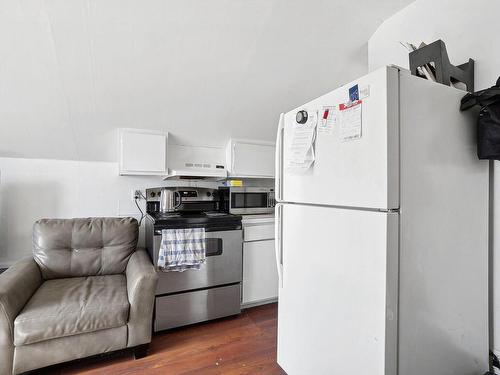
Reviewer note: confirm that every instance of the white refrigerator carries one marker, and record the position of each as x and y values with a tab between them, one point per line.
382	232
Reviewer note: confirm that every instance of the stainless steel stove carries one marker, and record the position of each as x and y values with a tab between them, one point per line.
212	292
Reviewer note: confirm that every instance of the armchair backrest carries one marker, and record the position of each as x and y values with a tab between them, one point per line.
84	247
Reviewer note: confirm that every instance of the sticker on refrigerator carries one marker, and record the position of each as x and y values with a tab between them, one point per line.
353	93
300	153
364	91
350	121
328	119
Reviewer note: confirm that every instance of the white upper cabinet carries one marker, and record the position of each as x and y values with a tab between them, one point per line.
142	152
249	158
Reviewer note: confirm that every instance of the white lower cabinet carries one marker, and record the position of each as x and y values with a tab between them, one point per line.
260	276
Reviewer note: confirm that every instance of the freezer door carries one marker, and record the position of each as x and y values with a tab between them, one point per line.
357	173
337	310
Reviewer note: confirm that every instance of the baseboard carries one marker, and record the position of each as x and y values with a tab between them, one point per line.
258	303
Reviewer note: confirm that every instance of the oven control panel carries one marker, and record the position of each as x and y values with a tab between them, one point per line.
187	194
192	199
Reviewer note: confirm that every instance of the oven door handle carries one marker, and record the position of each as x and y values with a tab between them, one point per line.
278	243
218	248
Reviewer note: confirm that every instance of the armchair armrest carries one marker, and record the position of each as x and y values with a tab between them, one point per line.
17	285
141	287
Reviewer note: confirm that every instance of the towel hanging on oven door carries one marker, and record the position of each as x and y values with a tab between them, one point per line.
182	249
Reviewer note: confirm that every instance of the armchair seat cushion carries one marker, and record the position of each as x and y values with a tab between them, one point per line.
71	306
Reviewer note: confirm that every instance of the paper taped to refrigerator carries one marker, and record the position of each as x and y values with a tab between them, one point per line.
300	153
328	119
350	121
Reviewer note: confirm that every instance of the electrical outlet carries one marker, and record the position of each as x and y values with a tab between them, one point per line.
136	194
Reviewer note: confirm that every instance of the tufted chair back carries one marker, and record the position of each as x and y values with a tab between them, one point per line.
83	247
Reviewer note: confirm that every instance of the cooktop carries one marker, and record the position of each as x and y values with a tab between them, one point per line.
191	219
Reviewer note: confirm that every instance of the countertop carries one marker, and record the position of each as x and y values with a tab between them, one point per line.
258	219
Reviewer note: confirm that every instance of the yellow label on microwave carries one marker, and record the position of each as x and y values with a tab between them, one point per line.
235	183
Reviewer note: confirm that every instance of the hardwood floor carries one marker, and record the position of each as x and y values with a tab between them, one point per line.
239	345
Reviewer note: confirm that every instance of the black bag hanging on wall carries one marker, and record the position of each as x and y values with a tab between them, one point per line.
488	123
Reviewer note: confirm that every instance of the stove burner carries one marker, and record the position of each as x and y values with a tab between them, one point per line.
179	214
173	215
216	214
167	215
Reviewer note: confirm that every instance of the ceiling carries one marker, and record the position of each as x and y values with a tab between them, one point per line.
72	72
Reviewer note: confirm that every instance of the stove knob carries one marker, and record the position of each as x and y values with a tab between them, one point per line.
301	117
208	194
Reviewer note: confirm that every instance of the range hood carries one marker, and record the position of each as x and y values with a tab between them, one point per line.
195	162
197	172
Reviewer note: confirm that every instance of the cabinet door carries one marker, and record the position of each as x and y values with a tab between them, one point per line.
260	276
252	159
142	152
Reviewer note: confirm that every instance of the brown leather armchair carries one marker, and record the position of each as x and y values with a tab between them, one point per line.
85	291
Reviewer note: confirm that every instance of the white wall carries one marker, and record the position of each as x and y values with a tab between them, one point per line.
469	29
73	71
31	189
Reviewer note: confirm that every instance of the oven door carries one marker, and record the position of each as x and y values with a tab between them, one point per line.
223	265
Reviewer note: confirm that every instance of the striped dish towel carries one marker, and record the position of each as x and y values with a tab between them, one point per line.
182	249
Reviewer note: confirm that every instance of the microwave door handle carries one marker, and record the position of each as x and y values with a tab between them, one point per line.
278	243
278	159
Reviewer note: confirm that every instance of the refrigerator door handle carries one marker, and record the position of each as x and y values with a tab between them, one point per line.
279	159
278	243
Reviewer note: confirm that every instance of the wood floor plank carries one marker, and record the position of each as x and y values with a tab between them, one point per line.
242	345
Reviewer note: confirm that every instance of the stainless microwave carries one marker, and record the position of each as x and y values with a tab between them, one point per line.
241	200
